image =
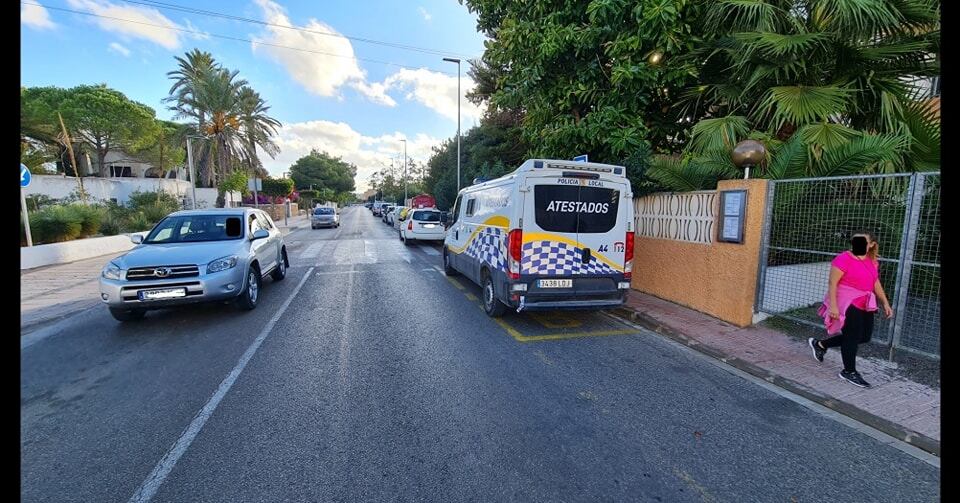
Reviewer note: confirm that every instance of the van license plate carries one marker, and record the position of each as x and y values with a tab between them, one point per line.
166	293
555	283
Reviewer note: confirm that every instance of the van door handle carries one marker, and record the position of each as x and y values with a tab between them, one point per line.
586	255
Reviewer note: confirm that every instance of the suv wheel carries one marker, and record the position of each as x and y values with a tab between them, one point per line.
491	304
281	270
251	294
127	314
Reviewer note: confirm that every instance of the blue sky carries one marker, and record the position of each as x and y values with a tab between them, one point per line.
328	95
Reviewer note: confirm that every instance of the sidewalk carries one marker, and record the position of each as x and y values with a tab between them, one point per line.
901	408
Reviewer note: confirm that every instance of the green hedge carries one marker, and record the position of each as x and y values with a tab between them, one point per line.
55	224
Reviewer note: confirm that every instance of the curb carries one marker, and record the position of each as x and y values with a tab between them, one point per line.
913	438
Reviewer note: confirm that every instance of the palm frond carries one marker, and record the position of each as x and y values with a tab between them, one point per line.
855	18
826	135
801	105
789	160
859	154
680	176
719	133
742	15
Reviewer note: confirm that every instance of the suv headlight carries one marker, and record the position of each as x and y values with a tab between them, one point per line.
112	271
222	264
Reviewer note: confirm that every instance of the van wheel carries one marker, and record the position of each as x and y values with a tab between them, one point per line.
491	304
127	314
406	241
447	268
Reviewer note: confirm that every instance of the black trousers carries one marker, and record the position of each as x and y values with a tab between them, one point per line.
857	329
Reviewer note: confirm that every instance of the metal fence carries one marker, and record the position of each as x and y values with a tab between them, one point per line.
808	221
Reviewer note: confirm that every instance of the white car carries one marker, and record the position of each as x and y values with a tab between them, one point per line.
399	214
423	225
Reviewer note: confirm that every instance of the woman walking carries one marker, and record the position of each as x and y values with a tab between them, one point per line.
851	301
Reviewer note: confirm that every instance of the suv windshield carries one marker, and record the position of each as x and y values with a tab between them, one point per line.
193	228
323	211
426	216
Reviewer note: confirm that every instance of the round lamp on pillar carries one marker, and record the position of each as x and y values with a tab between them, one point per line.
747	154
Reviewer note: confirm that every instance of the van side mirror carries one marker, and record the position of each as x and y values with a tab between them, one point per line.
260	234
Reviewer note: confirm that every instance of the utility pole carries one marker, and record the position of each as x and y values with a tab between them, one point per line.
404	170
193	175
457	61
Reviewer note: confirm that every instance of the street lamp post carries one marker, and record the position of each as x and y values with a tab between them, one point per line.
404	170
457	61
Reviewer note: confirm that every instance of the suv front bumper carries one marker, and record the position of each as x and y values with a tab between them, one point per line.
223	285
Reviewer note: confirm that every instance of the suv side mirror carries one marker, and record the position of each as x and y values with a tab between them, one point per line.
136	238
260	234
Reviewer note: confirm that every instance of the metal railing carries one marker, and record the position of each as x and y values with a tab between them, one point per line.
808	221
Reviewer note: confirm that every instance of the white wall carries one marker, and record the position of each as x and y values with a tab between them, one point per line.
71	251
103	189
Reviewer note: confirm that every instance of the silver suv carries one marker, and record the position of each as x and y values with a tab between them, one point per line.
195	256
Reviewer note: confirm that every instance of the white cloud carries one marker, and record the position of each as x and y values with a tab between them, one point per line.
426	15
119	49
197	34
437	91
36	16
368	153
327	68
142	17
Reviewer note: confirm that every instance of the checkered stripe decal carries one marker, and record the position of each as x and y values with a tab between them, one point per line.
558	258
487	246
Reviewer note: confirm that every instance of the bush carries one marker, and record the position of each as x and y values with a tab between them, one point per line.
90	218
140	200
111	225
154	213
54	224
138	222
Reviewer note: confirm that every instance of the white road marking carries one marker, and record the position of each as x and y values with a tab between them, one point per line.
342	272
430	250
153	481
438	269
313	250
370	250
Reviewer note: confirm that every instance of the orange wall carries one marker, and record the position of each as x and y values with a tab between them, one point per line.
719	279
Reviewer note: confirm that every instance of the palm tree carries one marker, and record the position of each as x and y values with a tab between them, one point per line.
258	129
829	85
191	71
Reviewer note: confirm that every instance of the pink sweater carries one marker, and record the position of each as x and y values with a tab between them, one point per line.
845	297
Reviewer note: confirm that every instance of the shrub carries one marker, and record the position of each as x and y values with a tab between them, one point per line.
154	213
111	225
54	224
90	218
140	200
138	222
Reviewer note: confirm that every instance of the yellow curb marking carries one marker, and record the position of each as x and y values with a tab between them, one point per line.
455	283
471	297
555	320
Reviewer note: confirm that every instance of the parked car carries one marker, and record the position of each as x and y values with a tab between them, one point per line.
553	234
424	225
384	211
196	256
400	217
324	217
394	215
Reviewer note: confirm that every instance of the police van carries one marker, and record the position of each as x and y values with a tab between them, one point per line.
551	235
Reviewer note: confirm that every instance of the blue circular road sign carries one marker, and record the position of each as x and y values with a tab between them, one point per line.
24	176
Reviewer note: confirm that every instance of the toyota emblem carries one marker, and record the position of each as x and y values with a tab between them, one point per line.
161	272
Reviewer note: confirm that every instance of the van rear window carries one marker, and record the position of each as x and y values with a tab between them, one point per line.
570	209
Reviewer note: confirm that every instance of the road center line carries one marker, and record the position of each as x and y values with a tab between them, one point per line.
153	481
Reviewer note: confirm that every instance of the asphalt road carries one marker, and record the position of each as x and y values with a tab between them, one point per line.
384	380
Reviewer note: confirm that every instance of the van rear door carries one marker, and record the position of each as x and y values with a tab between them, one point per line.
573	227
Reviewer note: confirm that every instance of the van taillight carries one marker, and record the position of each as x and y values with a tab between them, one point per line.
410	225
628	256
514	246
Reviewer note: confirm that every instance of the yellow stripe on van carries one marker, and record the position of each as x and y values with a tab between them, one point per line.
546	236
494	221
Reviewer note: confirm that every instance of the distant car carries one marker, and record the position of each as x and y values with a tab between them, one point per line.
394	215
384	211
195	256
424	225
324	217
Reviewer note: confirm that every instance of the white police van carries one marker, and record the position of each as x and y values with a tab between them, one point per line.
551	235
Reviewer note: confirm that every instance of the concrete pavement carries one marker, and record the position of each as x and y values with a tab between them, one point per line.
382	379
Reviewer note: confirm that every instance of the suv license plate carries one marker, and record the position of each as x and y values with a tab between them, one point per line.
166	293
555	283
